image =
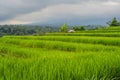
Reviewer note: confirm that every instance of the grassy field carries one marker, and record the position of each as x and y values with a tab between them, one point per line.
87	55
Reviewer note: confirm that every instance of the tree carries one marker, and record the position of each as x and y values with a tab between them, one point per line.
82	27
63	28
113	22
79	28
76	28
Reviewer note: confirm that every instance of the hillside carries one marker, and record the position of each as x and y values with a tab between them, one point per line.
84	55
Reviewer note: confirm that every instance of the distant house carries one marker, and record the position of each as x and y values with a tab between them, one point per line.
71	31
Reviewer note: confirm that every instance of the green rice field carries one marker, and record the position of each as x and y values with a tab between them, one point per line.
85	55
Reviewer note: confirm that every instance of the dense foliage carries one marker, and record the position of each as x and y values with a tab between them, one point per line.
25	30
64	28
79	28
114	22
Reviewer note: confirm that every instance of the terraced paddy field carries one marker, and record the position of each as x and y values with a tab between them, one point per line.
61	57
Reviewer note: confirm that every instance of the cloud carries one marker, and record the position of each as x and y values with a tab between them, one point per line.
44	11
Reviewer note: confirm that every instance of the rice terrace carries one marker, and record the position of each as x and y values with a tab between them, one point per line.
86	55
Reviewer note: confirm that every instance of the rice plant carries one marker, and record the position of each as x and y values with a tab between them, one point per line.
60	57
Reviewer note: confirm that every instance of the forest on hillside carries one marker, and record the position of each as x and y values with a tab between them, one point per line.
25	30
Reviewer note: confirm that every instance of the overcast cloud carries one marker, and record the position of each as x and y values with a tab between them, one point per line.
73	12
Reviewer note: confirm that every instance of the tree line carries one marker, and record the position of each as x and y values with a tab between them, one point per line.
25	30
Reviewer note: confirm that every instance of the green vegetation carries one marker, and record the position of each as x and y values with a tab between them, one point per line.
63	28
84	55
106	32
79	28
26	30
74	39
114	22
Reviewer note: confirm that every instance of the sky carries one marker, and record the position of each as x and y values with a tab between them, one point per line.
72	12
